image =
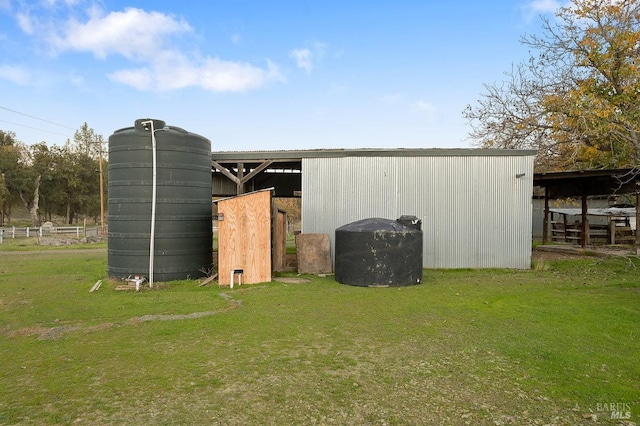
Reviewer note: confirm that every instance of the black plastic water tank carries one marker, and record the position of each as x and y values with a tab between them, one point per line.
379	252
183	233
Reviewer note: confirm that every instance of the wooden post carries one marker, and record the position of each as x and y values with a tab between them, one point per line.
637	223
240	176
584	237
545	221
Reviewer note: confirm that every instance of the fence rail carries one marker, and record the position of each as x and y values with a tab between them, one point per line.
13	232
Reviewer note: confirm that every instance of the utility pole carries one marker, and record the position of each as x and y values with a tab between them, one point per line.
3	206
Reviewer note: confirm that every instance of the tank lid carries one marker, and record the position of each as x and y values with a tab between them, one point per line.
142	124
378	225
411	221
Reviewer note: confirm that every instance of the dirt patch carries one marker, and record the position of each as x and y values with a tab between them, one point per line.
553	255
291	280
26	332
54	333
170	317
565	252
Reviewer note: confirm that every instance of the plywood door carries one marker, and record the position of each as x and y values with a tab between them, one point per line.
244	237
279	240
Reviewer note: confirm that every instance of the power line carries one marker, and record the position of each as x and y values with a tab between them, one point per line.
34	128
36	118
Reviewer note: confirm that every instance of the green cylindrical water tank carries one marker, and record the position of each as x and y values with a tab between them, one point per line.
183	234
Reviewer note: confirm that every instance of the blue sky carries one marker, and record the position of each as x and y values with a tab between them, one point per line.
258	75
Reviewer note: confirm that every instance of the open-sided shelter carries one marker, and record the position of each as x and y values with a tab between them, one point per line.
583	185
474	204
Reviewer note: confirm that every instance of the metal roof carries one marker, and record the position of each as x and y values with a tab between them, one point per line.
253	156
588	182
282	169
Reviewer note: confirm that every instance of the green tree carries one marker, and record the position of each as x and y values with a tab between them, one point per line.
53	192
72	186
83	157
21	181
85	193
35	166
87	141
4	198
7	164
577	99
56	180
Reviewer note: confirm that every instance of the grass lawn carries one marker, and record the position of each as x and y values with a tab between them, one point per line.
557	345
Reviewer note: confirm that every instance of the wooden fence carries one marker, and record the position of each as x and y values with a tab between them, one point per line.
13	232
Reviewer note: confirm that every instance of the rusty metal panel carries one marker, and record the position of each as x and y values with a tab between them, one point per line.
475	209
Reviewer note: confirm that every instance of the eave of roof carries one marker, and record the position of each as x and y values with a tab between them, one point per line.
579	174
230	156
587	182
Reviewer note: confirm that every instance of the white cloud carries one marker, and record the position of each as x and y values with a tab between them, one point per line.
177	72
218	75
535	8
544	6
151	40
25	23
141	78
15	74
303	59
132	33
54	3
307	57
236	38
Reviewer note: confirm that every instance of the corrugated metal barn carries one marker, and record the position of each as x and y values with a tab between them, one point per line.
475	204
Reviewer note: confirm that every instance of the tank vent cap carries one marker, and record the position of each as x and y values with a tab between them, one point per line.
157	124
410	221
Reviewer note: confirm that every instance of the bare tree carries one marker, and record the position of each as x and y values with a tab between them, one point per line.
577	99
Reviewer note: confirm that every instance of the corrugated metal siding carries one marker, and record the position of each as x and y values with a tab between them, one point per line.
475	213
